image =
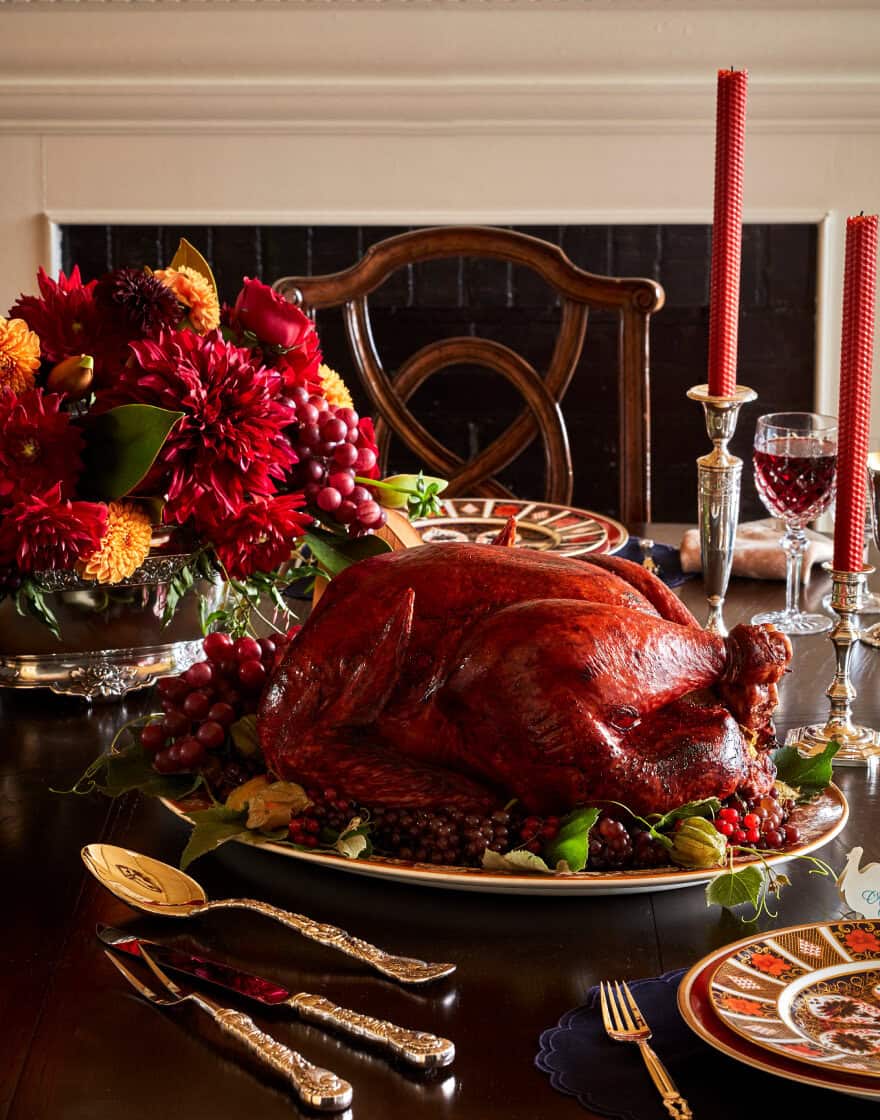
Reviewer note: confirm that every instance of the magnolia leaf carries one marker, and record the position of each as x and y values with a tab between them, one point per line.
572	843
519	860
121	446
809	775
708	807
335	554
213	827
244	735
733	888
188	256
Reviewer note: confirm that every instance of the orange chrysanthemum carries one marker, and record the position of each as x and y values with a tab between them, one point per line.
19	355
196	292
334	388
123	547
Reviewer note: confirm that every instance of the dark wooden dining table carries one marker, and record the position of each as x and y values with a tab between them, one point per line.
76	1044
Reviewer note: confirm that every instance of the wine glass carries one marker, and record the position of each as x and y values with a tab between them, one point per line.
795	459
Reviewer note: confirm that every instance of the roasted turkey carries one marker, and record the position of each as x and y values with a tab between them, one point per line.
466	675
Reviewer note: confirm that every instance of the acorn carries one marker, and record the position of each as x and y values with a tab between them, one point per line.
73	376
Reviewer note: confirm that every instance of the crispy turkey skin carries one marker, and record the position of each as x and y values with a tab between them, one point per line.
466	675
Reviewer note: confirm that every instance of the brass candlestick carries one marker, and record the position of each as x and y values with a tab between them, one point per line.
860	746
719	477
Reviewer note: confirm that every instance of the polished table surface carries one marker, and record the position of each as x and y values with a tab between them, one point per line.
74	1043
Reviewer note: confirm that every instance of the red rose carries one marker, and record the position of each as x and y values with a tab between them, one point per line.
272	319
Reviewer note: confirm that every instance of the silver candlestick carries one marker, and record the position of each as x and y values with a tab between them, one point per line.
719	479
860	746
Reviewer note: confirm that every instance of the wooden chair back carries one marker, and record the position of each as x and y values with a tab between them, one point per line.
633	300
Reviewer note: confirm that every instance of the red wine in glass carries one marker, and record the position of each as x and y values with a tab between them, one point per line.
795	476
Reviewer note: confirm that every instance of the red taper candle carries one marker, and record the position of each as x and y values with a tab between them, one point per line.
730	138
854	410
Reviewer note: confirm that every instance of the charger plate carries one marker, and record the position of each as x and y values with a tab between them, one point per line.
819	822
562	530
812	994
697	1010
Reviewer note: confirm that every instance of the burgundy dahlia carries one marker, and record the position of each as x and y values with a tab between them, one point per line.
261	537
229	447
43	531
39	445
136	304
63	315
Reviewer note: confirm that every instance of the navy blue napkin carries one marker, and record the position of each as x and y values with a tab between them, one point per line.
610	1078
665	556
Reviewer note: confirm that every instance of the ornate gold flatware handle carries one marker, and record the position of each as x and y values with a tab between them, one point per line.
673	1101
316	1087
416	1047
405	969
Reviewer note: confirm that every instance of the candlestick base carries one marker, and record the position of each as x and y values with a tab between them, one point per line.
719	477
860	746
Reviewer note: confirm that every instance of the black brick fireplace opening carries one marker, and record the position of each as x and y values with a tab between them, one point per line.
467	408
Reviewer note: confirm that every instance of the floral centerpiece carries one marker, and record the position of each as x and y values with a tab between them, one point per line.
142	423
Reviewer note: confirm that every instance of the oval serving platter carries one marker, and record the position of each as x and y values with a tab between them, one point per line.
819	822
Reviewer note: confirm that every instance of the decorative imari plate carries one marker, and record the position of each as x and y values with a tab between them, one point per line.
810	993
540	525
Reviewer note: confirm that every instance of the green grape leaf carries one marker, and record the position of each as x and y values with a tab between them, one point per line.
212	827
808	775
120	447
708	807
128	767
335	554
518	860
572	843
734	888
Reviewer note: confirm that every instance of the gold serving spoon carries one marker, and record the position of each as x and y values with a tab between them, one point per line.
157	888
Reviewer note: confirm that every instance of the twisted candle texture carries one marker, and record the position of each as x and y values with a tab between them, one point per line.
854	414
730	131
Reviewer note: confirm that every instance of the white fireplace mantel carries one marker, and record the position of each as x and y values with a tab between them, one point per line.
388	111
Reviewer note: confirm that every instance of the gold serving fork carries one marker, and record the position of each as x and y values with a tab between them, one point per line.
625	1023
314	1086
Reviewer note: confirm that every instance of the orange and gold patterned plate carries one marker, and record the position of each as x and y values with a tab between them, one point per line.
811	994
540	525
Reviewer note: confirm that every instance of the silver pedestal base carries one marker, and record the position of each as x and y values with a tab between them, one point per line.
860	750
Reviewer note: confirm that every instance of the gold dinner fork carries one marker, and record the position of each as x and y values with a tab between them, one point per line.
625	1023
314	1086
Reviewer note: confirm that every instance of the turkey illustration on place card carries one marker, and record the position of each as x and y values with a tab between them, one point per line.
860	886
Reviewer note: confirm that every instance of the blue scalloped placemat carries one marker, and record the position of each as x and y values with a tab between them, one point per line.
665	556
609	1078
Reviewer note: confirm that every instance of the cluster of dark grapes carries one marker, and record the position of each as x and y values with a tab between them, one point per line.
615	843
758	822
332	449
201	704
441	836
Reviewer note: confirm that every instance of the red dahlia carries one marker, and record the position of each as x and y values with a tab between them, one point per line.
261	537
38	445
44	531
230	446
63	316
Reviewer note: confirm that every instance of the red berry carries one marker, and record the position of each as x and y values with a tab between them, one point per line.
199	675
306	413
222	713
218	646
333	430
329	499
534	846
345	455
310	841
753	835
729	815
164	763
228	667
328	794
197	705
773	838
268	647
724	827
792	834
360	494
341	481
366	460
368	513
252	673
738	836
246	649
348	416
153	736
346	513
211	735
751	820
176	723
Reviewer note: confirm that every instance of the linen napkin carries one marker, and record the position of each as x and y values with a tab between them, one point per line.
610	1078
757	553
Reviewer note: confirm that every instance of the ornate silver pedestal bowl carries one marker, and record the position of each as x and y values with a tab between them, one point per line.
112	637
